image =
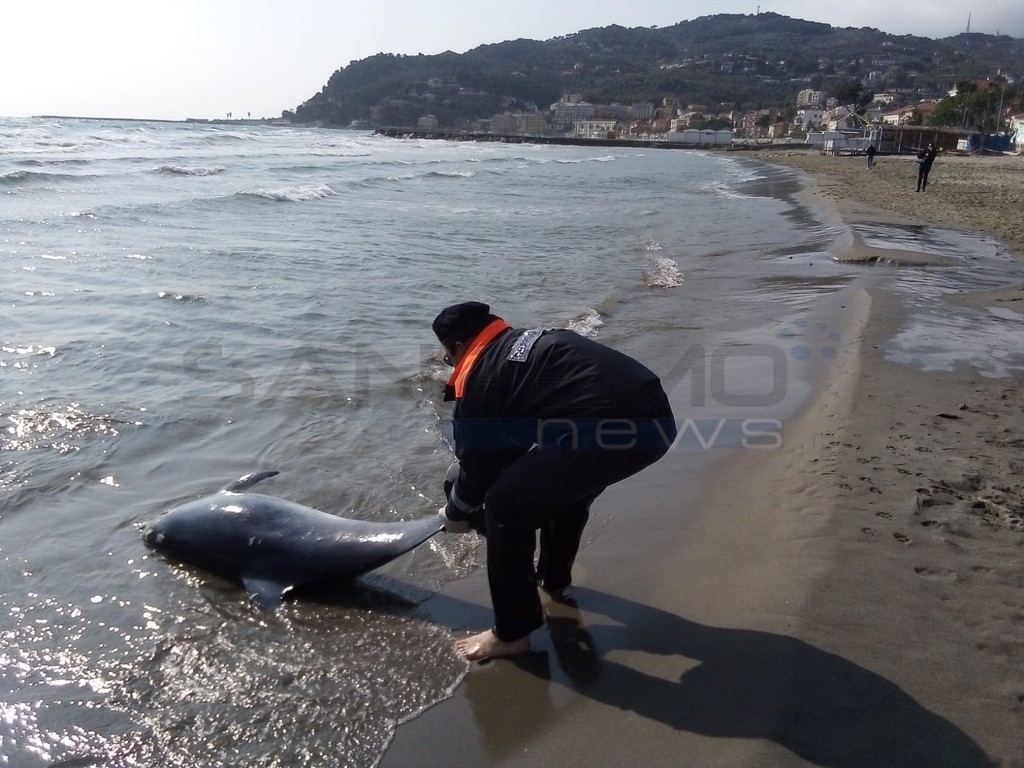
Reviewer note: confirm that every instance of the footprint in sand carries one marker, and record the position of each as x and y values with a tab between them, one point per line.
932	572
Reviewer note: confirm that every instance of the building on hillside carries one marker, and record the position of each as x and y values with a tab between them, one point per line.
643	111
684	121
594	129
503	124
565	114
873	114
809	98
531	123
754	125
912	115
618	112
669	108
843	119
427	123
808	118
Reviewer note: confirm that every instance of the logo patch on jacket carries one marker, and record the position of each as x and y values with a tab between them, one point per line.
521	349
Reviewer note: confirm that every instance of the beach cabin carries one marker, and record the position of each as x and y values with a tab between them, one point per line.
909	139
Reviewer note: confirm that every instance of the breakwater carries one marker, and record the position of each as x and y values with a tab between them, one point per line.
407	133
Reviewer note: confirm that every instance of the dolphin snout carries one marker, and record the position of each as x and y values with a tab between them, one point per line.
152	536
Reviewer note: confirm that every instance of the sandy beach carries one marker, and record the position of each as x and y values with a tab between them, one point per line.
853	598
970	192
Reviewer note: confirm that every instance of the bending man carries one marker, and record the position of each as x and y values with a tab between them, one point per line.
544	421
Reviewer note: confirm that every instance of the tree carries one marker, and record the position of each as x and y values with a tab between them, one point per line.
849	91
749	61
853	93
974	108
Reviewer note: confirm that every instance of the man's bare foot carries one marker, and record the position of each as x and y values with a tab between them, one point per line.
488	645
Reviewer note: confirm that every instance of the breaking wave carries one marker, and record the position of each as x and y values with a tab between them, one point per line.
184	170
26	177
296	194
587	323
663	272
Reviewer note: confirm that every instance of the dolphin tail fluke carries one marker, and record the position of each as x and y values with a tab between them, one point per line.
248	481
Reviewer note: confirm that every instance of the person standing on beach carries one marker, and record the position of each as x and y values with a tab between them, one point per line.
925	158
870	152
544	421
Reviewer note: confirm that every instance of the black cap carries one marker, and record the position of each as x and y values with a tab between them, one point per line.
461	322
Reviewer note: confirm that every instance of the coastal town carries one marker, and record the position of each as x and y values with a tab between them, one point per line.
816	118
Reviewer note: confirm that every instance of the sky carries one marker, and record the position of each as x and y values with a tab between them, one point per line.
175	59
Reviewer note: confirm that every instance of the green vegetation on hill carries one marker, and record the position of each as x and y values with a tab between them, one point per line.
725	62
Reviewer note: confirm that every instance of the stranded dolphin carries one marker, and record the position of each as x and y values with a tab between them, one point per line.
272	545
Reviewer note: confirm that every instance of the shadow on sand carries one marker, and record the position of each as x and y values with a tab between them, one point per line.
744	684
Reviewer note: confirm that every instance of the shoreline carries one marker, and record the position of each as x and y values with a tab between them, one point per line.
973	193
850	599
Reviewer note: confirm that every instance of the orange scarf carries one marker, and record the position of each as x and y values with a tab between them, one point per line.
458	378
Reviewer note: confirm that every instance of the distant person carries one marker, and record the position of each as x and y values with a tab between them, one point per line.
925	158
544	421
871	155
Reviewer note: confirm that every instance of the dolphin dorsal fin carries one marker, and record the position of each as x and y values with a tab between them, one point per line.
246	482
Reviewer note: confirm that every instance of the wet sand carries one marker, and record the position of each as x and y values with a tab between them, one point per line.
853	598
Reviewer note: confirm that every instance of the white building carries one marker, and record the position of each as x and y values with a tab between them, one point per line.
808	118
643	111
564	114
593	129
810	98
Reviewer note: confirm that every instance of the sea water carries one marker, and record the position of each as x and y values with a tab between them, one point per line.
181	304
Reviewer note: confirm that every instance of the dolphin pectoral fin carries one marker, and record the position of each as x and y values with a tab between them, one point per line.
265	593
248	481
433	525
423	530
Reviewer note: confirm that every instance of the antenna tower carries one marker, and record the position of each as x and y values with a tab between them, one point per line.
968	22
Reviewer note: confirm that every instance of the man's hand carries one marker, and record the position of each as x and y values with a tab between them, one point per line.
453	526
457	515
450	477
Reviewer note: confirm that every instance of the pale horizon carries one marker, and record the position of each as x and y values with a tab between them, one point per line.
193	59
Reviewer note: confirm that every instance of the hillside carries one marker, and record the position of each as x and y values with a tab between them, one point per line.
726	61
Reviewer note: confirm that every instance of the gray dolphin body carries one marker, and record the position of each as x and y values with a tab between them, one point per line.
272	545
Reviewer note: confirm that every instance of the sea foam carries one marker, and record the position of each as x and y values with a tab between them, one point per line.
296	194
587	323
184	170
663	272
